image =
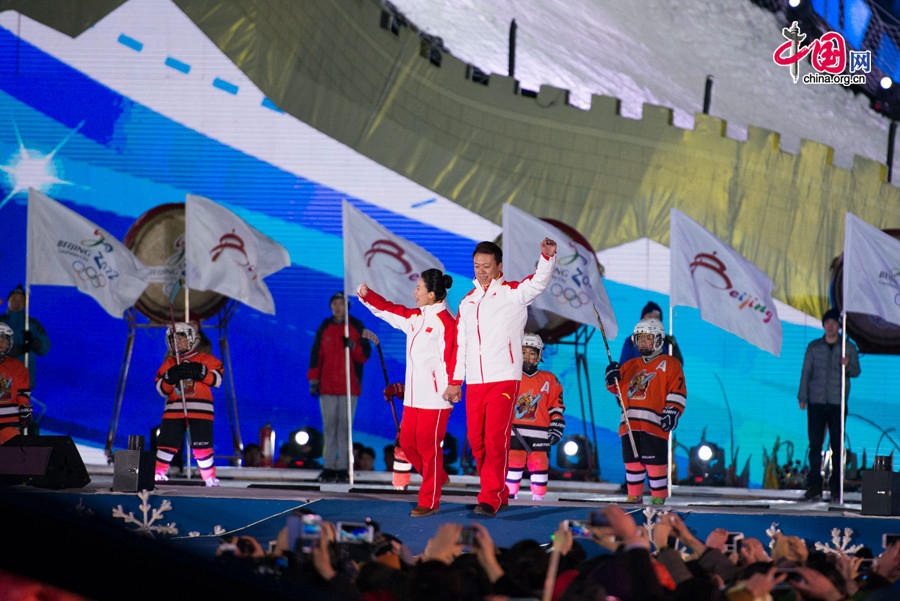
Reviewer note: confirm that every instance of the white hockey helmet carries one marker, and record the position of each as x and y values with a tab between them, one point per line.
651	326
533	341
6	332
183	329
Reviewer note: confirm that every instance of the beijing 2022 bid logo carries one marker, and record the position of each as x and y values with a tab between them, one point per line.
828	56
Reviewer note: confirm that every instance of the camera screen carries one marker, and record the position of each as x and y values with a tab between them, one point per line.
467	536
598	519
303	531
580	529
889	539
351	532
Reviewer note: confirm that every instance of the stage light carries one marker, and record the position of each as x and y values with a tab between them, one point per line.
304	447
574	454
794	3
886	82
706	465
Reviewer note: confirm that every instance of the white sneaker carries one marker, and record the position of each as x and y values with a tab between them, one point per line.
211	481
535	497
160	477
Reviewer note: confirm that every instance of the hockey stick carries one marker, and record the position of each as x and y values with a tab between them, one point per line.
618	388
387	382
187	423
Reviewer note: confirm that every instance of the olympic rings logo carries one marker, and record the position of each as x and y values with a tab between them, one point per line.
567	294
89	273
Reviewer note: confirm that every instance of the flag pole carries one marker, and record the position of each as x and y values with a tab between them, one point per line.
187	422
618	388
27	311
669	440
843	407
349	401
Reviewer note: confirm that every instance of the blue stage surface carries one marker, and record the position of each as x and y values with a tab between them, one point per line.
256	502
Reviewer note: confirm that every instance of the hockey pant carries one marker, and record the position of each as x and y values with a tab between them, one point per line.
489	412
538	468
171	433
653	458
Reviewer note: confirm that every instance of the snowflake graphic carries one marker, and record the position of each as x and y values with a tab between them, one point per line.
148	524
840	543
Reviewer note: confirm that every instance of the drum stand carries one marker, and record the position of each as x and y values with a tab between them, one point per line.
224	317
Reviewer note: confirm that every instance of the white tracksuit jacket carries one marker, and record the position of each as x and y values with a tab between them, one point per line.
430	348
490	325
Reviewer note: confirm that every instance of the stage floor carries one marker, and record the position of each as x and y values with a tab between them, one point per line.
256	501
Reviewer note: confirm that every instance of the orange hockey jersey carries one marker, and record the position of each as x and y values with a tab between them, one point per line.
197	394
647	388
540	402
14	391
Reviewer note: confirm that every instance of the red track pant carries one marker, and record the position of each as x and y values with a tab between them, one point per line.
421	434
489	411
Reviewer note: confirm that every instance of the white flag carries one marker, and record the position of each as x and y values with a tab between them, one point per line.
576	288
390	265
730	291
871	271
225	254
65	249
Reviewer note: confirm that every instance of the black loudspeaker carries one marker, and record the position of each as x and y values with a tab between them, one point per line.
42	461
133	471
880	493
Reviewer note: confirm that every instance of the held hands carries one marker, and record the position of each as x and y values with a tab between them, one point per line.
548	247
613	374
453	394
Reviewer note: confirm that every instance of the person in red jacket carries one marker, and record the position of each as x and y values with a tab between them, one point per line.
654	394
328	381
196	374
430	353
489	328
15	396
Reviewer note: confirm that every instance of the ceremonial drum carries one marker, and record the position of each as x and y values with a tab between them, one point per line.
157	239
550	326
871	333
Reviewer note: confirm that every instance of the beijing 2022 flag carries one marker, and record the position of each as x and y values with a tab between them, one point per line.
871	271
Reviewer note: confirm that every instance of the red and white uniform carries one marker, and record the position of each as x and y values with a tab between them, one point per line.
430	353
14	392
489	329
199	402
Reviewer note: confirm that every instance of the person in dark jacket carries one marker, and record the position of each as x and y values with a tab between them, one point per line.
820	395
328	382
27	344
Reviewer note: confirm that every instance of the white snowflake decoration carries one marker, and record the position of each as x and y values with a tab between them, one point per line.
773	532
652	516
840	543
148	523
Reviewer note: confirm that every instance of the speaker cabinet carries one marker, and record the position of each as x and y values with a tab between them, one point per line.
880	493
42	461
133	471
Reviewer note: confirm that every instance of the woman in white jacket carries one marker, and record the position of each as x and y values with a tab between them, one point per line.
430	352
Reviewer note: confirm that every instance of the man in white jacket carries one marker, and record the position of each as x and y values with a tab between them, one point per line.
490	324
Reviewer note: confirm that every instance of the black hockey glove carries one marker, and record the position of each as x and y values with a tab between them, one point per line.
612	374
31	343
669	418
172	375
314	388
555	430
25	413
349	343
193	371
